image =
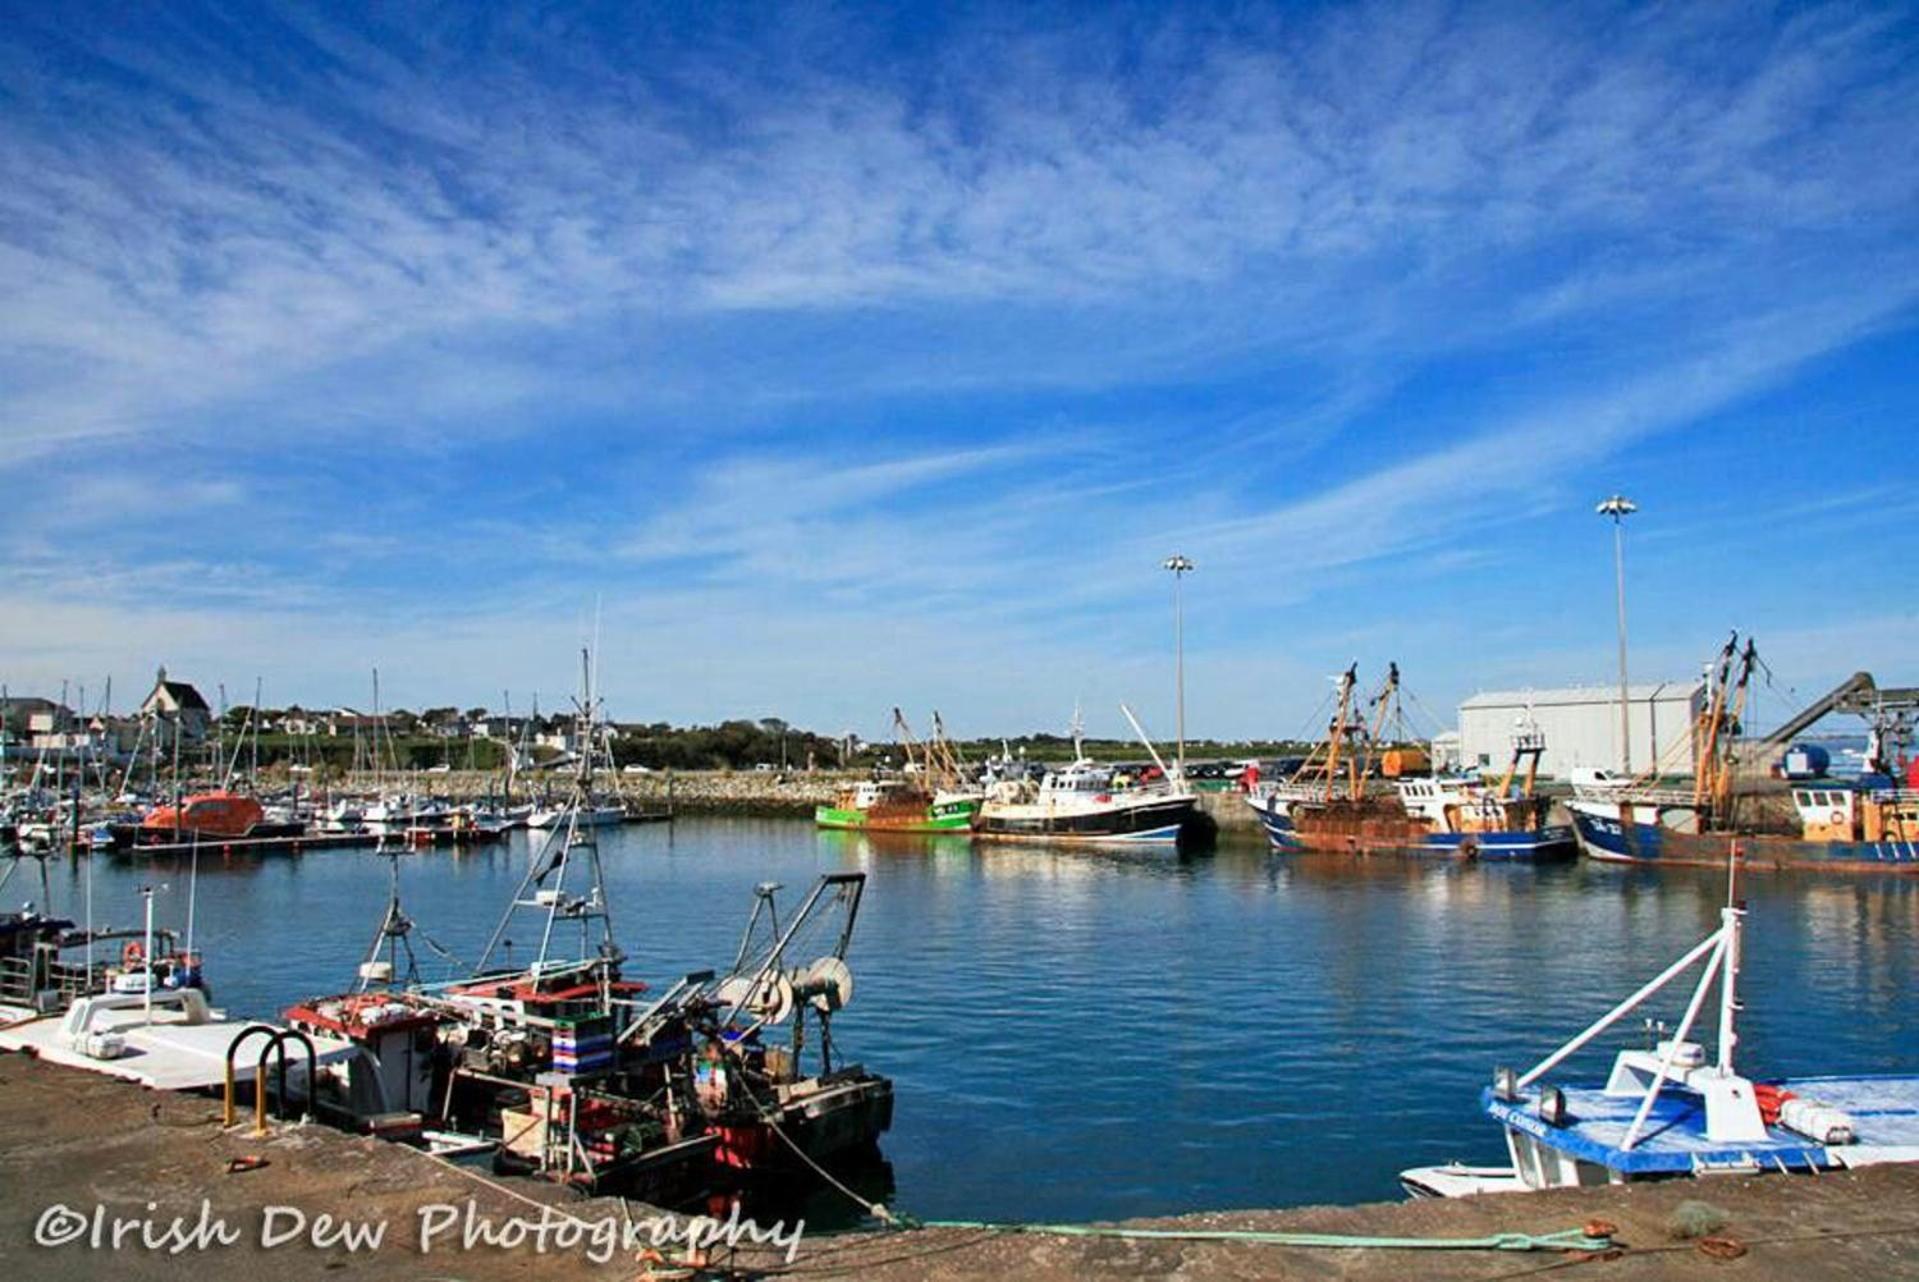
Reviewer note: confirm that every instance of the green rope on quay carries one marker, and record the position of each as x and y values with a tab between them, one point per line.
1566	1240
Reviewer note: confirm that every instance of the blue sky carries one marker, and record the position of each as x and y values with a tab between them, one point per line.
854	356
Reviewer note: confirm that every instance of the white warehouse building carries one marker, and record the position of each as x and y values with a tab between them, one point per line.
1581	726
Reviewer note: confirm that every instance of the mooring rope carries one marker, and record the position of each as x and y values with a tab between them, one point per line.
1565	1240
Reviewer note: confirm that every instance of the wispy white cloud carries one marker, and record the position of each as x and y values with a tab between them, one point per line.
811	324
230	225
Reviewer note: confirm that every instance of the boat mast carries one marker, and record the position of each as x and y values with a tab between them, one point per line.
951	763
903	736
1734	915
392	936
378	788
254	718
1336	733
1383	705
1705	763
1144	738
554	857
1728	763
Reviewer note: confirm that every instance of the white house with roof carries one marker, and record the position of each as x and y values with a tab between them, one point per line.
175	707
1581	726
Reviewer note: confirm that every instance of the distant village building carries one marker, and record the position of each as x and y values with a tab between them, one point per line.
345	722
25	717
299	722
504	728
446	723
1581	726
176	709
52	730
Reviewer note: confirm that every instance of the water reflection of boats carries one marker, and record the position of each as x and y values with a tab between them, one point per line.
1667	1111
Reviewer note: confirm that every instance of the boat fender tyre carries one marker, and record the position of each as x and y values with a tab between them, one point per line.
1838	818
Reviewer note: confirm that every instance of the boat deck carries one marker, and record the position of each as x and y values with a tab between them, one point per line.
166	1055
1885	1111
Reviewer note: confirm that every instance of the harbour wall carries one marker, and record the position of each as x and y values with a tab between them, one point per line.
81	1153
737	792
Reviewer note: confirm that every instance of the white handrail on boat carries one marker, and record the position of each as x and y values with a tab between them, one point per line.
1624	1008
1678	1039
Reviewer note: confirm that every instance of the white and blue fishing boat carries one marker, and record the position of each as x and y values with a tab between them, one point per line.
1085	802
1670	1110
1470	817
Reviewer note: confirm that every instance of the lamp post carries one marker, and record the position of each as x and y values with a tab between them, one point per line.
1180	567
1619	507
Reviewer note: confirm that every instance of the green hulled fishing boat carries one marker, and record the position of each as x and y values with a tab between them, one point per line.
893	805
936	794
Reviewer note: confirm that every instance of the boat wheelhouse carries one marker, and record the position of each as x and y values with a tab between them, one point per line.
1470	817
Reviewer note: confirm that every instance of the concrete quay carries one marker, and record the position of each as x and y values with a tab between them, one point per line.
80	1153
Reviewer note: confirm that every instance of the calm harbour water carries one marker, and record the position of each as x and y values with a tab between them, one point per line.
1081	1035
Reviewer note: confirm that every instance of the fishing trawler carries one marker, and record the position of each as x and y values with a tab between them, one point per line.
897	805
1868	824
1335	803
1330	802
565	1068
1088	802
1669	1110
934	798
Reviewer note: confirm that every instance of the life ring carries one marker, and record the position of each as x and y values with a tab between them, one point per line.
1838	819
133	954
